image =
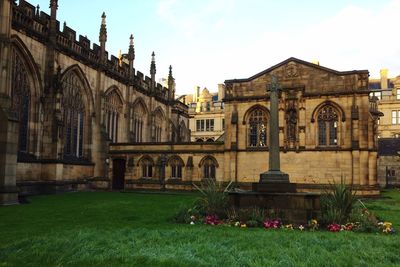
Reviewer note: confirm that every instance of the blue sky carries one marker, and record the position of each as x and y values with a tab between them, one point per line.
210	41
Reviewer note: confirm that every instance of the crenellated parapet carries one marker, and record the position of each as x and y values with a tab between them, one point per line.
36	24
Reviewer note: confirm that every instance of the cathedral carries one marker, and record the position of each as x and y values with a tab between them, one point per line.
73	118
63	101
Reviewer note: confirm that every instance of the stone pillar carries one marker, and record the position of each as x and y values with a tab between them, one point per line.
8	126
274	175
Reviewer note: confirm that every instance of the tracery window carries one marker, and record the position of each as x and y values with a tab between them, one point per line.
327	126
113	109
147	168
137	122
74	116
176	168
257	128
209	169
158	121
20	99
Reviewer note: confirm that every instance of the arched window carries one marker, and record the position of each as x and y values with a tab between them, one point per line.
257	128
157	128
147	167
20	99
328	126
73	115
199	140
113	109
176	167
208	165
138	118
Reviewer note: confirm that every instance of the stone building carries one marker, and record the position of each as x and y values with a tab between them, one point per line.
206	115
63	100
327	133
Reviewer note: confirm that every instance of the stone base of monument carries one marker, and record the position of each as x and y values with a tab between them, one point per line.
276	194
296	208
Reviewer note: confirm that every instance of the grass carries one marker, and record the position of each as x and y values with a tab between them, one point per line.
133	229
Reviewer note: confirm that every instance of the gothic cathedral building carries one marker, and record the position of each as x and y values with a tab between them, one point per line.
62	102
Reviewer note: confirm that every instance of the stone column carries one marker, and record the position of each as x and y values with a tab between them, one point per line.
8	124
274	175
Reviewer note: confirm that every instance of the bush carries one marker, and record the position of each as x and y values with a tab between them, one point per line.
252	217
187	214
337	203
214	199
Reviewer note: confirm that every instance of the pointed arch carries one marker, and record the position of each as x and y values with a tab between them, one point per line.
30	63
25	91
112	112
253	108
77	70
138	120
140	102
183	132
145	157
208	157
77	106
208	164
175	158
159	112
114	89
342	114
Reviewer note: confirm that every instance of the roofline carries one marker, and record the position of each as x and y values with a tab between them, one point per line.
301	62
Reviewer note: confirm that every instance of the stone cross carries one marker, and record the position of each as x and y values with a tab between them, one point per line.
274	175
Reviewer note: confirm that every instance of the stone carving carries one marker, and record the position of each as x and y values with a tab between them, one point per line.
291	70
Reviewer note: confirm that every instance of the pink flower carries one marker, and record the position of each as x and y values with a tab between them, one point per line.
212	220
276	223
334	227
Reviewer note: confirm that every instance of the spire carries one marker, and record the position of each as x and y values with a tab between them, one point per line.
153	70
103	29
103	37
131	56
171	85
153	64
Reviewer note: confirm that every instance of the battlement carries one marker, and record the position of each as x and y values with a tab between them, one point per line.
36	23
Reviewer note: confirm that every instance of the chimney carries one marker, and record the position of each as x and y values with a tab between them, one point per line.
221	91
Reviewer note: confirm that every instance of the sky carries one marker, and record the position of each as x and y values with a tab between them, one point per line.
210	41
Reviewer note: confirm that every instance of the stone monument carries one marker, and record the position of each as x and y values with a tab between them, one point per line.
274	180
274	192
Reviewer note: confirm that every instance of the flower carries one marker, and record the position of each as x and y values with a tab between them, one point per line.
237	224
276	223
301	227
191	222
289	226
243	225
334	227
313	224
193	218
212	220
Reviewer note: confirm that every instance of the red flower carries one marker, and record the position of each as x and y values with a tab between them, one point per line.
334	227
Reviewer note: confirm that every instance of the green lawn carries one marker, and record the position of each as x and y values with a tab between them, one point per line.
133	229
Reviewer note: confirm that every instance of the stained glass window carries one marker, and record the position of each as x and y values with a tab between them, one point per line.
113	107
257	128
74	116
20	99
327	126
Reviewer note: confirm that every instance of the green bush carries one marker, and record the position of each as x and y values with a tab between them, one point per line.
214	199
187	214
337	203
253	217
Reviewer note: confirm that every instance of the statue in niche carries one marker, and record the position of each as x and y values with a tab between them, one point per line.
291	122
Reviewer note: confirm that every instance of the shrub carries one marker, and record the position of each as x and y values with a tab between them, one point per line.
337	203
214	199
187	214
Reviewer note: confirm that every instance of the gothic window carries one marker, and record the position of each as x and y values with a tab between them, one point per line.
328	126
147	168
138	115
208	165
74	116
113	109
257	128
158	122
20	99
176	168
